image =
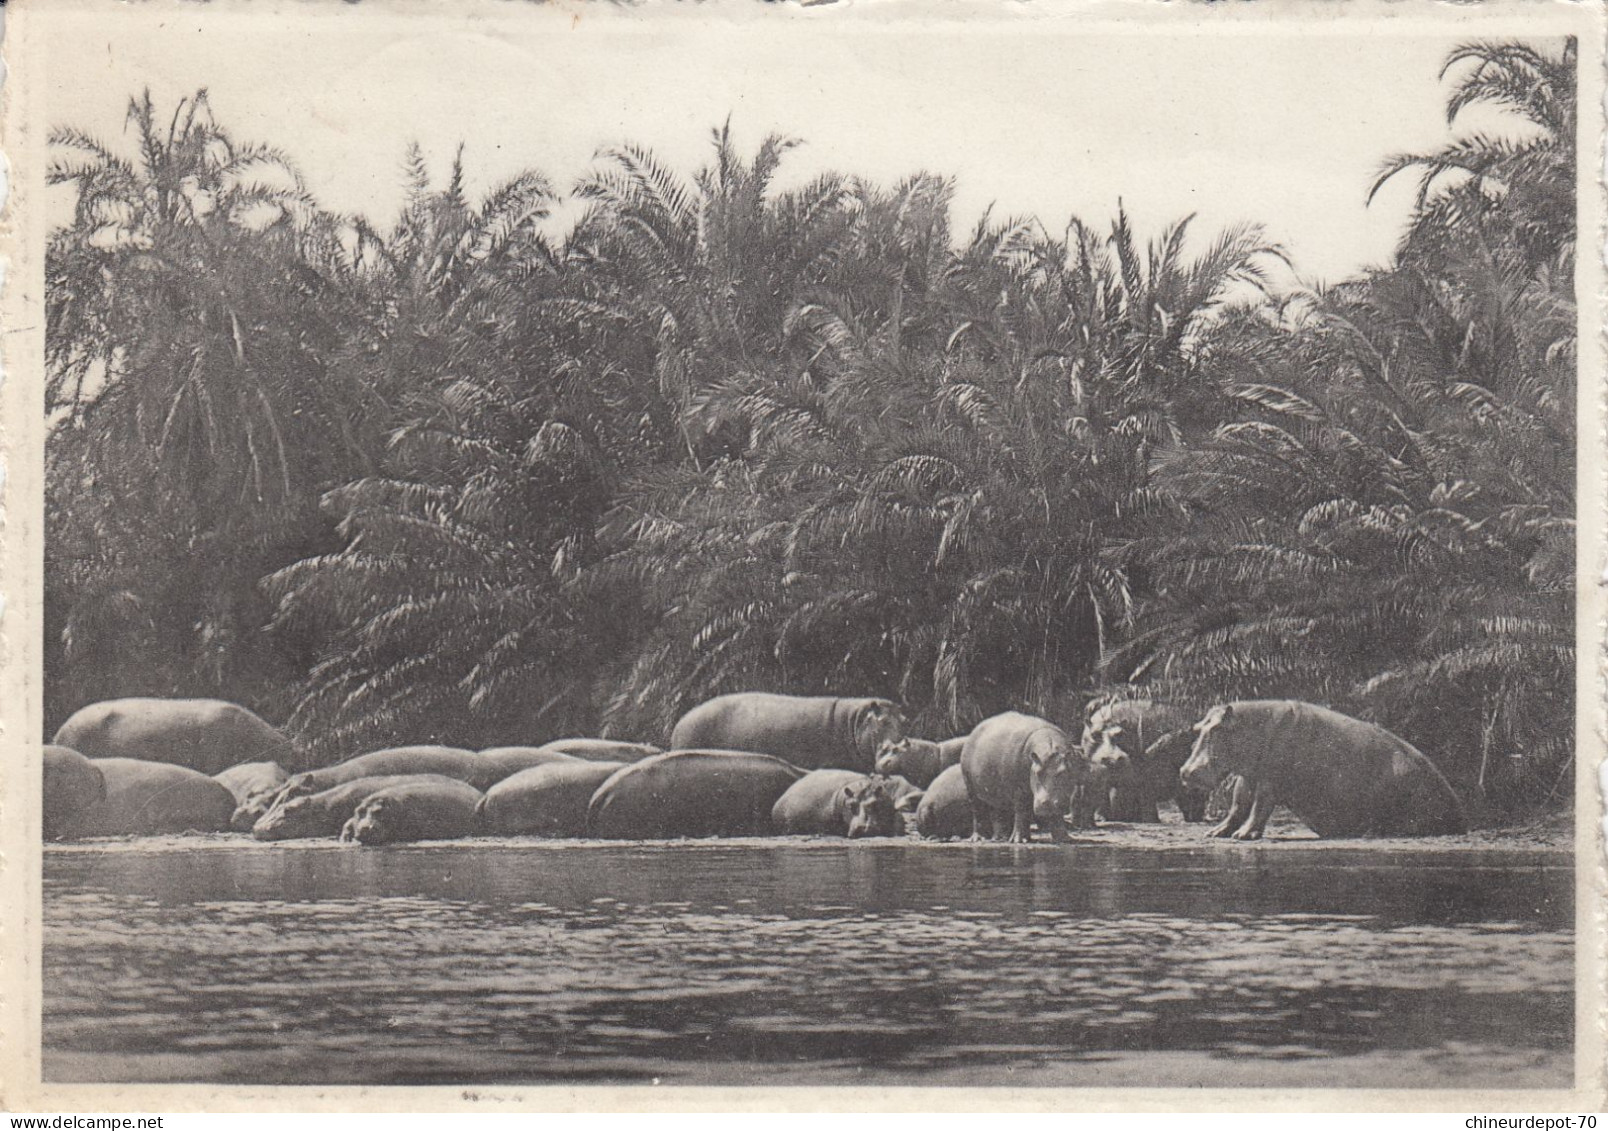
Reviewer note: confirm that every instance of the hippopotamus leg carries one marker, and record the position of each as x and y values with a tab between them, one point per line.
1085	800
1239	808
1022	824
1261	810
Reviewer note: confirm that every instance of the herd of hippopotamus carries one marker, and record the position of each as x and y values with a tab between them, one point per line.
749	764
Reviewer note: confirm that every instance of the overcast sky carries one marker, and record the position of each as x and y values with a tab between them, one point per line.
1045	118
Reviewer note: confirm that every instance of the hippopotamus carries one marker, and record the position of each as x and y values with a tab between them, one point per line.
437	809
447	761
207	735
691	793
1020	767
838	803
72	784
548	800
813	733
1156	738
918	760
323	813
502	762
150	798
255	785
1340	775
945	810
602	749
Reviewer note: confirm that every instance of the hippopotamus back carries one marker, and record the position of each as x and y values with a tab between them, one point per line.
71	785
503	762
837	803
811	732
1342	776
602	749
446	761
206	735
945	811
152	798
420	809
547	800
323	813
691	793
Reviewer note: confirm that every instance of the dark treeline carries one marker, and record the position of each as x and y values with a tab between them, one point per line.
458	479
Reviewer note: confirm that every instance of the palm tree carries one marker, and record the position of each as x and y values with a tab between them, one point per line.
193	305
1388	526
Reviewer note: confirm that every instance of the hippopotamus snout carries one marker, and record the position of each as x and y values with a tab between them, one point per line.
360	829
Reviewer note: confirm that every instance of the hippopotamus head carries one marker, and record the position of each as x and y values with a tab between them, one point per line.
1212	758
1057	771
870	808
878	724
298	785
286	819
252	809
1107	756
892	755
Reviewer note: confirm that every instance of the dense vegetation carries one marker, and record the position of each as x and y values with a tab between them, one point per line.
457	478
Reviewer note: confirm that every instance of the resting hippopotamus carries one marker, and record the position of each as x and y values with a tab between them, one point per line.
439	809
255	785
207	735
502	762
323	813
945	810
72	784
602	749
1340	775
837	803
1156	738
918	760
548	800
1020	767
812	733
688	793
447	761
151	798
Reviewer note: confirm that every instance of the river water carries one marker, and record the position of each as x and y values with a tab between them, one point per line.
802	961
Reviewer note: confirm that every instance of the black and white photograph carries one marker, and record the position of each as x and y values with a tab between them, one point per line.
774	547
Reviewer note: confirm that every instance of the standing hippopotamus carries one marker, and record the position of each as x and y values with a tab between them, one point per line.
837	803
1019	767
548	800
447	761
1340	775
207	735
918	760
602	749
323	813
945	809
1156	738
440	809
152	798
72	784
690	793
255	785
810	732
